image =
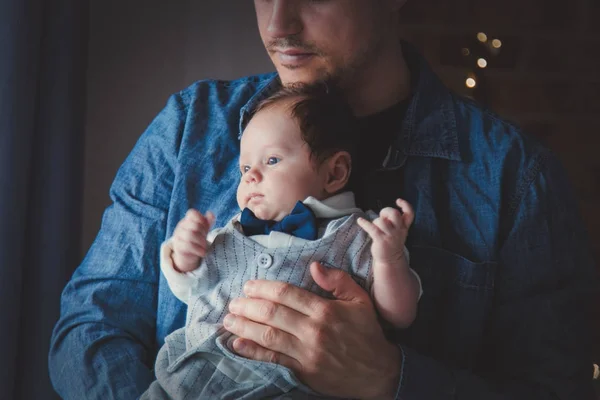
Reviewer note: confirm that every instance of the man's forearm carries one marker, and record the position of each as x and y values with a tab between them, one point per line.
111	368
99	349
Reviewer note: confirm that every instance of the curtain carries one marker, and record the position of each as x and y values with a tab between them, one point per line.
43	53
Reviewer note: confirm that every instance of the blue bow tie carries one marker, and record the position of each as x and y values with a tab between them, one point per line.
301	223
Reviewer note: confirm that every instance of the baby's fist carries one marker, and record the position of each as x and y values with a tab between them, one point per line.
389	232
189	240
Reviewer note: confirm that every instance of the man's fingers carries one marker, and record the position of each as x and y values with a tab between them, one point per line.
338	282
267	313
268	337
291	296
249	349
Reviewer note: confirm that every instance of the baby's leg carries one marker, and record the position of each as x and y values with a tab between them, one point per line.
204	373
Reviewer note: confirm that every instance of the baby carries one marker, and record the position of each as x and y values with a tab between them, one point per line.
295	165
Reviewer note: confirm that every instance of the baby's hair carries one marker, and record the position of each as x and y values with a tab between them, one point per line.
325	119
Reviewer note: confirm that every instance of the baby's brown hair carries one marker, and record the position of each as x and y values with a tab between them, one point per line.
325	119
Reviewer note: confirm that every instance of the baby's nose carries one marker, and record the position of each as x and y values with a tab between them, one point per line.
253	175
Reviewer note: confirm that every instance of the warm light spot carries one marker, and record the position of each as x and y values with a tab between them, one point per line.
482	37
471	83
482	63
466	51
496	43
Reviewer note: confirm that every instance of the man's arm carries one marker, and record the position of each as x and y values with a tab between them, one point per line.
103	345
538	342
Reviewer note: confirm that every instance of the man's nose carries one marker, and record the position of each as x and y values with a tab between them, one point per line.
285	18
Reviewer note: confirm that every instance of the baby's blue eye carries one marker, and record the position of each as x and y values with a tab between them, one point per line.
273	160
245	168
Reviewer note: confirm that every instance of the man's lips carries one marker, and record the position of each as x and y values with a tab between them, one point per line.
293	55
293	52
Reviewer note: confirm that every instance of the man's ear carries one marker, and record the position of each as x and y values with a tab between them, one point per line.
337	171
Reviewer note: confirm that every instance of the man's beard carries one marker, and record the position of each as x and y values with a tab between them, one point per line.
344	75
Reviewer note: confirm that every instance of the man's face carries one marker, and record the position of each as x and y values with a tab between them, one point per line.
323	39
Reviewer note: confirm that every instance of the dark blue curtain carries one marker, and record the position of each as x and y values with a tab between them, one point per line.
43	53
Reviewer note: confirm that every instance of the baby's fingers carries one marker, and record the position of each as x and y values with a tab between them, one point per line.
192	235
408	214
210	218
372	230
391	218
190	249
185	262
194	220
193	216
196	223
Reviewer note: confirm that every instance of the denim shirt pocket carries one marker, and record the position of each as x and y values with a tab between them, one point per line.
456	302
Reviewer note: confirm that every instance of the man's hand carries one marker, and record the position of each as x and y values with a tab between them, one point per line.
336	347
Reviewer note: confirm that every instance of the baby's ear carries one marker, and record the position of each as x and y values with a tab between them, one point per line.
338	168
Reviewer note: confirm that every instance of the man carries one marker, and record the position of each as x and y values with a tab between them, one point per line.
497	241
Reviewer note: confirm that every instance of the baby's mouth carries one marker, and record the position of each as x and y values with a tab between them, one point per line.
254	197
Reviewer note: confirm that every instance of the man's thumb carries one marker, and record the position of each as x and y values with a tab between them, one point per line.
338	282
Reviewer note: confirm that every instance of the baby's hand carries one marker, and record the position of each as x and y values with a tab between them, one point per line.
389	232
189	240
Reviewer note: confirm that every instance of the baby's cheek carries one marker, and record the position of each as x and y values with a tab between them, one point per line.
276	208
240	197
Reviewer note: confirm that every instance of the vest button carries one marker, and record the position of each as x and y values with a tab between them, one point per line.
264	260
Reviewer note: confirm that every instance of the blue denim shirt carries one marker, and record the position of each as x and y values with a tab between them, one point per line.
497	240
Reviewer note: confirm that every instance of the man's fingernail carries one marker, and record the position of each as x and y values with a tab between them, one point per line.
248	287
234	305
320	268
239	345
229	321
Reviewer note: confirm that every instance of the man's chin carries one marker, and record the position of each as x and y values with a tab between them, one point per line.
304	75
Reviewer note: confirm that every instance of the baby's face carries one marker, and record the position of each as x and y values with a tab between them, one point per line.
277	170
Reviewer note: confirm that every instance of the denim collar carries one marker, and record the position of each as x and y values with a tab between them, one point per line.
265	88
429	126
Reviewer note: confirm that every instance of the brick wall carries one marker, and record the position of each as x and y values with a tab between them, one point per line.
546	76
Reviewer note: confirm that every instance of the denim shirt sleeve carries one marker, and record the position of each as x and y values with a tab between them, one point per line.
103	345
538	341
